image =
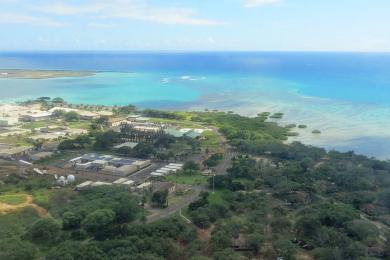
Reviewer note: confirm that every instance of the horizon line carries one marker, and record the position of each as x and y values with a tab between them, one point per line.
194	51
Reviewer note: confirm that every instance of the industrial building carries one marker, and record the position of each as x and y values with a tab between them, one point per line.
181	132
167	170
109	164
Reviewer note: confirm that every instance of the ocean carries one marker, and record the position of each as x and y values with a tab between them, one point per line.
345	95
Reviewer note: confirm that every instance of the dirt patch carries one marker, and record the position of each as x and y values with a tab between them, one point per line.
7	208
205	234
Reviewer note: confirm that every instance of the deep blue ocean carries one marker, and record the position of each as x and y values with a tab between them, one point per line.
345	95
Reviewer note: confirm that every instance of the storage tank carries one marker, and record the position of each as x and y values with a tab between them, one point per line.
71	179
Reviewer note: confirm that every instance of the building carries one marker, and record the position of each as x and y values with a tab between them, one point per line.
127	144
33	117
180	132
124	181
146	186
100	183
87	115
7	121
63	109
142	119
83	185
133	117
109	164
142	164
120	181
116	121
164	186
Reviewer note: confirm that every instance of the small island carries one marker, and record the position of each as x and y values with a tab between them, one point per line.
42	74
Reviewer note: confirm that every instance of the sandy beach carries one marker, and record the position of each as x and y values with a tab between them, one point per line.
43	74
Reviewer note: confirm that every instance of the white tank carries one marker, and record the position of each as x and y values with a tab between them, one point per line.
71	178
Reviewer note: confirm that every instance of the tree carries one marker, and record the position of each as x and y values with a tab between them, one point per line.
105	140
58	100
361	229
82	140
227	254
68	250
213	160
44	231
126	210
201	219
221	240
285	248
71	220
16	249
38	143
125	110
384	198
190	167
163	156
71	116
160	198
255	241
143	150
98	220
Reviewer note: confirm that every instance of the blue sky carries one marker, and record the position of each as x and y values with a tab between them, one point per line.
195	25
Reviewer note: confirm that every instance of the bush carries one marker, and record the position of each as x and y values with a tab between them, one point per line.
16	249
98	220
44	231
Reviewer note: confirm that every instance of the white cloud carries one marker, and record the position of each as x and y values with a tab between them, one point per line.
129	10
11	18
255	3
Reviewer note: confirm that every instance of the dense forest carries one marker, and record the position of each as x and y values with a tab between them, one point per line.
276	200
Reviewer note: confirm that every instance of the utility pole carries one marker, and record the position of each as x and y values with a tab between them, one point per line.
213	183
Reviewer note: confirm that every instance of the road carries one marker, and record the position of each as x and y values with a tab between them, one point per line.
173	209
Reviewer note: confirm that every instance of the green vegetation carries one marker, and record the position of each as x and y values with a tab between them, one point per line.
13	199
316	132
275	200
187	179
213	160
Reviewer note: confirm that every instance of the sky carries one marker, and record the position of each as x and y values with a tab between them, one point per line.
195	25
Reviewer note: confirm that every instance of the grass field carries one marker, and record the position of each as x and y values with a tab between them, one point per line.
13	199
188	179
181	123
212	141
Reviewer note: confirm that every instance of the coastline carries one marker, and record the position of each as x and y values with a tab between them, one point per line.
42	74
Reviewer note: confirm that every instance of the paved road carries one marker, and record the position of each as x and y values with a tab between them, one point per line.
171	210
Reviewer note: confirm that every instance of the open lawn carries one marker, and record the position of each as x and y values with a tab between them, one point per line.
181	123
38	124
77	124
13	199
18	140
188	179
212	140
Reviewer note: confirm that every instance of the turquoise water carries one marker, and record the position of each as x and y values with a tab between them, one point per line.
345	95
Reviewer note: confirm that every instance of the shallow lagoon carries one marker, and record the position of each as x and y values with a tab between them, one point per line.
346	96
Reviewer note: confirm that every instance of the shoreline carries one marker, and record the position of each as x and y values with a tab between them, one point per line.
42	74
